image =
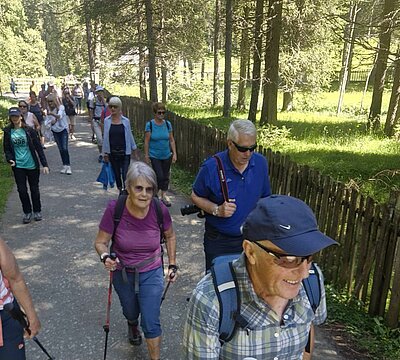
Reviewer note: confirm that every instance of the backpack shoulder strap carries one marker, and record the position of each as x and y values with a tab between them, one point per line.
151	126
168	125
222	178
119	209
226	288
312	286
160	218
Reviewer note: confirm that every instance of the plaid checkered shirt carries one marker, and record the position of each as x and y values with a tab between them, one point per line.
268	337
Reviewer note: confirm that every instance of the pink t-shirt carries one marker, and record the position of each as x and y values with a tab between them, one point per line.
136	239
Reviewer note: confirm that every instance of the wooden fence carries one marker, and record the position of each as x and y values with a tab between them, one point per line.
367	262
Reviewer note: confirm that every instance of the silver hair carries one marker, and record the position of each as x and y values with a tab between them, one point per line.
139	169
243	127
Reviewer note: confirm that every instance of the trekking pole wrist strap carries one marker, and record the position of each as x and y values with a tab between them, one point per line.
174	268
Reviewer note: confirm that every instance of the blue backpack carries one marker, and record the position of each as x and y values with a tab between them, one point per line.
226	288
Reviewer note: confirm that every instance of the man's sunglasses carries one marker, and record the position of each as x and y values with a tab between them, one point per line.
243	149
285	261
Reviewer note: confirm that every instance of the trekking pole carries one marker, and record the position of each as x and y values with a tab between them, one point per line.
171	276
106	326
17	314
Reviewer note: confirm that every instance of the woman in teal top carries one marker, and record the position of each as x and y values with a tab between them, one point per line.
22	149
160	149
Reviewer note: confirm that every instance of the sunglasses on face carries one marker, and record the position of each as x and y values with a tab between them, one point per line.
285	261
22	106
138	189
243	149
160	112
113	106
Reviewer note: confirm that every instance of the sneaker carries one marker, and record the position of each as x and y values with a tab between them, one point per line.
44	147
27	218
134	336
68	171
64	169
73	137
37	216
100	158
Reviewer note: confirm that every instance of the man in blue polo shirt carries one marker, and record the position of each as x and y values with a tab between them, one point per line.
247	181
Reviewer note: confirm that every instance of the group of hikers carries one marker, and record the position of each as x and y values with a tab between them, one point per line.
252	303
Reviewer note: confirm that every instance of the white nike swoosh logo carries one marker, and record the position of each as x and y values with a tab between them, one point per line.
287	227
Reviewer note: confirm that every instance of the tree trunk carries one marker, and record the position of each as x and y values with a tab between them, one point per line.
142	60
287	101
152	51
216	52
349	38
89	41
381	65
203	66
256	77
228	59
244	57
394	104
269	112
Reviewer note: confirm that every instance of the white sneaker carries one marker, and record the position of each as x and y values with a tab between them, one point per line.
64	169
68	172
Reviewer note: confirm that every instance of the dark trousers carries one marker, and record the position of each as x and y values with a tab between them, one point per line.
162	170
14	347
22	176
217	244
120	165
61	139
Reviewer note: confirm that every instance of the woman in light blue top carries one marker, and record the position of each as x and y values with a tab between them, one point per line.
160	149
118	142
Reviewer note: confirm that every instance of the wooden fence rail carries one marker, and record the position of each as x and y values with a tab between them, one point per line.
367	262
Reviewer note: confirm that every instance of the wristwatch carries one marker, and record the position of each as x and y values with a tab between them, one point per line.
215	211
104	257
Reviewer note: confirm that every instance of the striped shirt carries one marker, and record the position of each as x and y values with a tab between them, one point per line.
270	337
5	294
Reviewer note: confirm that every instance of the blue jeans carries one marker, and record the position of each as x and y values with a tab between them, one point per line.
61	139
147	302
14	346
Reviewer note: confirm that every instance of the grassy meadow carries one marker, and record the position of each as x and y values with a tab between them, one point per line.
6	177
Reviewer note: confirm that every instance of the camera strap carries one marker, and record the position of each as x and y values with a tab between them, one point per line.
222	178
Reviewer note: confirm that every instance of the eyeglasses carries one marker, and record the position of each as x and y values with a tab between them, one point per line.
160	112
113	106
138	189
243	149
50	102
22	106
285	261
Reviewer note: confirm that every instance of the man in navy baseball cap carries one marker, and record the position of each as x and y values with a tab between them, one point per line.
275	318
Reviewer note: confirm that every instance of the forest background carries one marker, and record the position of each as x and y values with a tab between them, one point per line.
321	79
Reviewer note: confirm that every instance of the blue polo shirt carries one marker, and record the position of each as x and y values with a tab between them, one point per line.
246	189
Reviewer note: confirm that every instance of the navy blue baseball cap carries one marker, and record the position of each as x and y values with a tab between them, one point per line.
288	223
14	111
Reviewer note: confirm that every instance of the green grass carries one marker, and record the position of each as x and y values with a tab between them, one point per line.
6	177
366	332
339	146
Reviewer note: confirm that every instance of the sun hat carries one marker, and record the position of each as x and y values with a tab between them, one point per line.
288	223
99	88
14	111
115	101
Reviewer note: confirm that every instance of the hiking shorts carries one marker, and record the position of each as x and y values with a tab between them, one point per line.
146	303
14	346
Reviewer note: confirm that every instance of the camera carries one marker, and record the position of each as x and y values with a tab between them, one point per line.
192	209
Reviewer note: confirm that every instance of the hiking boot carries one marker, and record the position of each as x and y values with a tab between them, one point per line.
134	336
166	202
27	218
37	216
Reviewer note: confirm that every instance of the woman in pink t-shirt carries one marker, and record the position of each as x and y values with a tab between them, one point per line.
137	270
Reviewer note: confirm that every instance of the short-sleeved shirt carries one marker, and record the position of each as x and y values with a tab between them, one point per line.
136	239
245	188
268	337
159	147
23	155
